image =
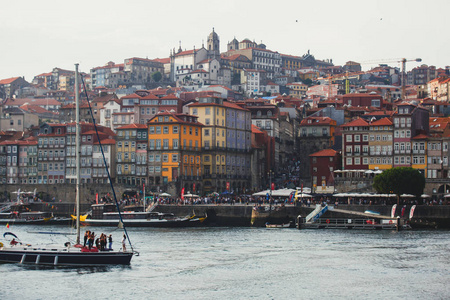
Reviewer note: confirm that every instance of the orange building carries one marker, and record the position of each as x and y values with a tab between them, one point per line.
174	152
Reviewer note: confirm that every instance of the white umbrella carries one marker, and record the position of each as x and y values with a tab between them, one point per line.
303	195
447	196
305	189
425	196
406	196
191	196
262	193
165	195
282	192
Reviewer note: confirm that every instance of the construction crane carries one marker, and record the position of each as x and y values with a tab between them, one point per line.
403	61
397	60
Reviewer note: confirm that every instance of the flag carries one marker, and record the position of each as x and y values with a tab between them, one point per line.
7	225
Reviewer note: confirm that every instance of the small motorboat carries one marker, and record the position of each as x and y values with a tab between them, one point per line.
284	225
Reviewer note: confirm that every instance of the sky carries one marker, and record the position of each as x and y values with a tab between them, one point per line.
37	36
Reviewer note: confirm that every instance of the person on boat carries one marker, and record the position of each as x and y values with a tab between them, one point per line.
97	243
102	242
91	240
86	237
14	242
123	242
110	240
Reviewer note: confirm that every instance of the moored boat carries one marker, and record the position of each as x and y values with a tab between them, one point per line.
284	225
106	215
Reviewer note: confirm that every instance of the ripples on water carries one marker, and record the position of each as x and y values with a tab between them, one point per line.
247	263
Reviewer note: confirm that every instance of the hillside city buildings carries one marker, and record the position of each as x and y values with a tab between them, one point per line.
204	120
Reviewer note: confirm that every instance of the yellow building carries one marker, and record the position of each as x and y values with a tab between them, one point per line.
226	144
297	89
174	160
211	113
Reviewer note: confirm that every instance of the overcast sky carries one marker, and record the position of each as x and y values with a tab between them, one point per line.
37	36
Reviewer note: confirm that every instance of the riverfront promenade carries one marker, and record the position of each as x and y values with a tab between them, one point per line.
240	214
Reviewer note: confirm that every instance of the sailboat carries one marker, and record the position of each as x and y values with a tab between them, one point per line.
69	255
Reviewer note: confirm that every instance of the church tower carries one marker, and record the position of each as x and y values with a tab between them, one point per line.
233	45
213	45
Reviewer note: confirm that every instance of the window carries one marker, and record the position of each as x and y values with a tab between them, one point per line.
175	129
348	138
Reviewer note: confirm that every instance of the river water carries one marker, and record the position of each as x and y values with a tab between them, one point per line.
246	263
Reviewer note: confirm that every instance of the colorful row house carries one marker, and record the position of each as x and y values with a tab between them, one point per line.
175	145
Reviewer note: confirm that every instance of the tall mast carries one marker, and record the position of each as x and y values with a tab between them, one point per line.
77	150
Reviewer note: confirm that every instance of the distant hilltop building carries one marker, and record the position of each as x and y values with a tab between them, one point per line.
198	67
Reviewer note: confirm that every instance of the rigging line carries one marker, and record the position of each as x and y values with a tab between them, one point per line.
106	165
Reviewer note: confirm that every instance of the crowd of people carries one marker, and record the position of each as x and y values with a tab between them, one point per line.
102	243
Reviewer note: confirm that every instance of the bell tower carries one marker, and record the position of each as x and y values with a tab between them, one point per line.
213	45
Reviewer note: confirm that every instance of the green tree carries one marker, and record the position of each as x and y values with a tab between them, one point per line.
156	76
402	180
308	82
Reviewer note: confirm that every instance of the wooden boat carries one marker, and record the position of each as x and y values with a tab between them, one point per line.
286	225
69	255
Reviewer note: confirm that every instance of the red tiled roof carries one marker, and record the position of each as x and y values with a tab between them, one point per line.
420	137
187	52
106	142
133	126
357	122
177	117
8	80
150	97
325	152
382	122
131	96
163	60
233	105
